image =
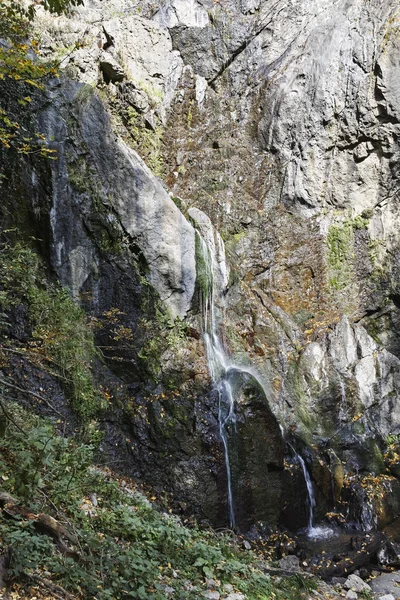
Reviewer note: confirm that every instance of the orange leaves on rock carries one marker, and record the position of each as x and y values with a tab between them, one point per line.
20	64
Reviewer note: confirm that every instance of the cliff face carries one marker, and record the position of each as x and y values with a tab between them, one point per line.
280	121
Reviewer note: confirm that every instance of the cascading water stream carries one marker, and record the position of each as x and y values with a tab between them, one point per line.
311	531
227	375
217	359
309	485
310	492
225	392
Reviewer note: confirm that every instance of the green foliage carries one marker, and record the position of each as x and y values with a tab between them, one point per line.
59	326
21	71
161	334
340	242
340	254
147	142
29	548
60	6
129	548
203	269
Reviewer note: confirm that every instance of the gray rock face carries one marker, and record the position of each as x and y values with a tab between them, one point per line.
289	563
136	48
130	194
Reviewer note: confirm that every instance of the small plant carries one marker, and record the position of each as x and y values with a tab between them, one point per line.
340	254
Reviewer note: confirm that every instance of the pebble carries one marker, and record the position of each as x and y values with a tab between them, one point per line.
235	596
227	587
351	595
168	590
387	597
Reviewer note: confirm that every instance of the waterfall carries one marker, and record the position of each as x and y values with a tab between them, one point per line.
213	279
227	417
310	492
309	485
311	531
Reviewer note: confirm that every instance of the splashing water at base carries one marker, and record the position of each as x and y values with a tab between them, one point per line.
311	531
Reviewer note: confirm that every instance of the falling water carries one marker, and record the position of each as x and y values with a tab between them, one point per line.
310	492
218	361
226	416
308	482
213	279
311	531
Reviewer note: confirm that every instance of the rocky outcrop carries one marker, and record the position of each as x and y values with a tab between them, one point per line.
101	169
279	126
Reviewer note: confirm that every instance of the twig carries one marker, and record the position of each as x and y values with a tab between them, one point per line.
34	394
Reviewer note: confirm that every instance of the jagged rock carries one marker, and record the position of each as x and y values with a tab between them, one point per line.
281	124
211	595
143	208
249	6
111	69
142	46
351	595
387	597
134	96
189	13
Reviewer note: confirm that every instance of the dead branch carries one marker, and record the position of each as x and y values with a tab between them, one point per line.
34	394
58	592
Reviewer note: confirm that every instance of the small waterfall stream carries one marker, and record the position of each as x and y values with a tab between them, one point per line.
227	375
310	492
214	279
311	531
